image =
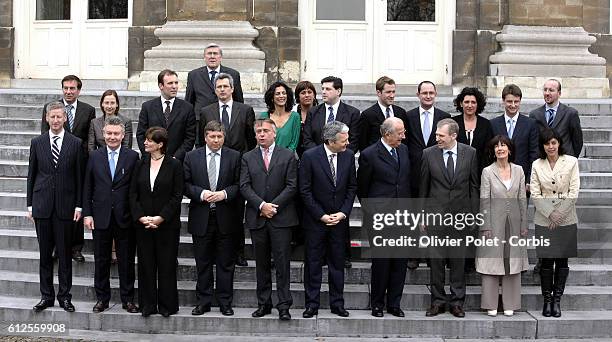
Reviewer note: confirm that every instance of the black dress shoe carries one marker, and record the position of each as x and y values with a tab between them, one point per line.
78	256
226	310
130	307
310	312
377	312
200	310
100	306
241	261
413	264
397	312
165	314
435	310
66	304
261	311
340	311
147	313
43	304
347	263
284	315
457	311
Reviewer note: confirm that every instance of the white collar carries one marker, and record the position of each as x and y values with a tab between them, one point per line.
422	110
454	149
73	104
61	134
208	151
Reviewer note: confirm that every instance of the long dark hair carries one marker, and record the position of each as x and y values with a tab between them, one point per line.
269	96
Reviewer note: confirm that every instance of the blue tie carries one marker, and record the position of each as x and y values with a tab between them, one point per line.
394	155
551	117
111	163
426	127
330	117
510	128
70	116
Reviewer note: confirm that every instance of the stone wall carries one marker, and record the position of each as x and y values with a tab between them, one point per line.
6	42
148	15
593	15
603	47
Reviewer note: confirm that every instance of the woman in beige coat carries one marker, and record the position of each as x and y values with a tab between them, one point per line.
109	104
504	203
555	182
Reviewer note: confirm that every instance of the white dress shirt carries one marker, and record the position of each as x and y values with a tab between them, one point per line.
445	156
430	117
163	102
229	104
384	110
335	161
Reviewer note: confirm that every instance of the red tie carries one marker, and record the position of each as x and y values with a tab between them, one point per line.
267	158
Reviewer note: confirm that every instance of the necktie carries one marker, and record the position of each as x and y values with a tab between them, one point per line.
332	167
388	112
510	128
212	171
450	165
330	117
70	117
212	77
394	155
55	151
267	158
551	116
111	164
426	127
225	118
167	112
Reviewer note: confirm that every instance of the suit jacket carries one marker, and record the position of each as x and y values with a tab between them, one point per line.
196	181
451	193
103	195
379	176
524	138
317	117
370	121
82	118
241	134
200	91
96	134
566	124
482	135
165	199
555	189
319	194
416	145
278	185
181	126
55	188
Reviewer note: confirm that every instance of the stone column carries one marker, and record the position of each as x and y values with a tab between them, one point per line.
194	24
531	54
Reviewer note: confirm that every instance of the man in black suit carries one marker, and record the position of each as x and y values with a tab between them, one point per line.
54	194
171	113
268	181
79	115
237	118
521	129
384	172
332	109
563	119
371	118
450	182
328	185
106	214
200	90
212	179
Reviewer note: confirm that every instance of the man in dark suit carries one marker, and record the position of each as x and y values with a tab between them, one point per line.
328	185
450	182
78	119
54	194
563	119
106	213
200	90
371	118
332	109
268	181
171	113
522	130
237	118
384	172
212	179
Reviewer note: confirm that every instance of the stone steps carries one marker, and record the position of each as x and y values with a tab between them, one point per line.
598	150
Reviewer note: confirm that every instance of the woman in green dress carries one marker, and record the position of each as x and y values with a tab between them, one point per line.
279	100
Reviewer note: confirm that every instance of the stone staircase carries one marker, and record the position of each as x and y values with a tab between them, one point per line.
587	303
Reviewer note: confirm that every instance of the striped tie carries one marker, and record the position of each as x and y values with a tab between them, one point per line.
55	151
70	117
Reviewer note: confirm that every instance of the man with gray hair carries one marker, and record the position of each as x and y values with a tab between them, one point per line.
450	180
201	81
328	184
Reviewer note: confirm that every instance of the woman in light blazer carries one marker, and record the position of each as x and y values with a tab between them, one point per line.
109	104
555	182
504	202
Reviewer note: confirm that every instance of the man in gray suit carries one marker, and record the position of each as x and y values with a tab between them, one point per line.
268	181
449	178
563	119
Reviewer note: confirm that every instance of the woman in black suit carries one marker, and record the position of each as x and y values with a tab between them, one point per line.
155	199
476	131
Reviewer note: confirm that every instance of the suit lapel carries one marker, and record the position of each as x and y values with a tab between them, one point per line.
159	111
325	163
559	115
120	163
202	164
235	114
273	159
458	162
415	121
46	146
442	166
206	79
386	156
176	109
